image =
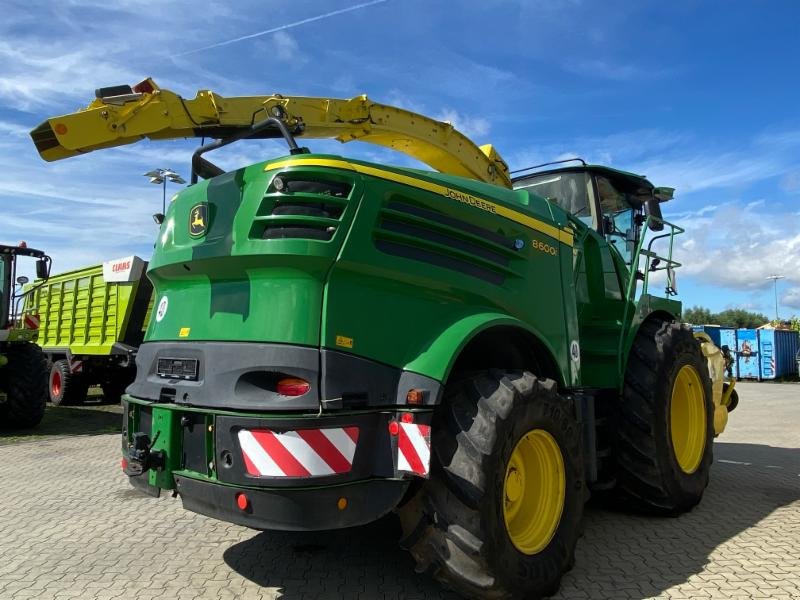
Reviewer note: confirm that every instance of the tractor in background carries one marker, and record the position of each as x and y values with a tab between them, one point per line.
23	367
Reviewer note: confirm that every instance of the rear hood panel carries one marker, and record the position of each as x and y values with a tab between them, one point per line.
245	256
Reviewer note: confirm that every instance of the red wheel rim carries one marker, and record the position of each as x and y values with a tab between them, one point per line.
55	384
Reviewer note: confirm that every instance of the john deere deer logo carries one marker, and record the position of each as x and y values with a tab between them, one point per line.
198	219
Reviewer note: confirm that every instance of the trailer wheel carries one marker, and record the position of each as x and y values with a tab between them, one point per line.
666	421
25	380
65	388
501	513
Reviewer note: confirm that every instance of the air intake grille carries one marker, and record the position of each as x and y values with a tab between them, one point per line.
425	235
302	205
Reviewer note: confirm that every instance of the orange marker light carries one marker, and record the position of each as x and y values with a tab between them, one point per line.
60	128
415	397
341	504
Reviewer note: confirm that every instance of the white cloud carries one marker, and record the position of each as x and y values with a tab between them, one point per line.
281	46
34	76
472	127
738	246
791	298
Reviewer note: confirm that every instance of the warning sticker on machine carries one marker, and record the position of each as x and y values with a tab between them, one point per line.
344	342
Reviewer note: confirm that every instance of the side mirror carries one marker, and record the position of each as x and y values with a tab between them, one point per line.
158	218
608	225
652	207
42	268
22	280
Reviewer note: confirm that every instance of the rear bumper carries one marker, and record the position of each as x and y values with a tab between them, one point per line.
312	509
294	469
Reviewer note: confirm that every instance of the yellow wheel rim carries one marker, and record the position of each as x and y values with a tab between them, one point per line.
688	419
533	491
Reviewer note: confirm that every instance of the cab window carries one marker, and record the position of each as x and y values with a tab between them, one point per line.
568	190
618	217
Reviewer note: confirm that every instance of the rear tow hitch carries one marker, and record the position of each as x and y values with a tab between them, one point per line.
142	457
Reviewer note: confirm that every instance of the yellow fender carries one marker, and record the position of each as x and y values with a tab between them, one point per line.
720	393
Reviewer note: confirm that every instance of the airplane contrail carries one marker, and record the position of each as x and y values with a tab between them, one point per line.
284	27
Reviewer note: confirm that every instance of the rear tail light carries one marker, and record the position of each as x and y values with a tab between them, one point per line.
293	386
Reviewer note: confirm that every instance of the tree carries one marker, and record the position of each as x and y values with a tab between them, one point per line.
698	315
737	317
796	323
732	317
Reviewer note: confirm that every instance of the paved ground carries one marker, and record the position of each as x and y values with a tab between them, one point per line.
70	527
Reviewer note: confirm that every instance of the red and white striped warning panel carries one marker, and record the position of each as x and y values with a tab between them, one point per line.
414	448
300	453
31	321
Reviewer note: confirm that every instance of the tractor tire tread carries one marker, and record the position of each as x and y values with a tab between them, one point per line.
25	382
443	526
648	476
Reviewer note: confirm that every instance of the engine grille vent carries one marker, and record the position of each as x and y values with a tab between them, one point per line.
421	234
301	205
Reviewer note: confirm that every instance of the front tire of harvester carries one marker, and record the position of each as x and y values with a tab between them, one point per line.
64	387
25	383
501	514
666	421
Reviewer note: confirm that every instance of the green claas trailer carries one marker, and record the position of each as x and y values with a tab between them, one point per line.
334	339
92	322
23	369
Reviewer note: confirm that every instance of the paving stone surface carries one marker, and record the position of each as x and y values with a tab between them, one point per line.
71	527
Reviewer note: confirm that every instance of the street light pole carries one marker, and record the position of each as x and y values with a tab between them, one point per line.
775	281
160	176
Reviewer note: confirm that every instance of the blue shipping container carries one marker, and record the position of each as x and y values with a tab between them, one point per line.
777	351
713	332
727	337
747	354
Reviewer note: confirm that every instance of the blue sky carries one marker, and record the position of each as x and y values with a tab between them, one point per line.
700	96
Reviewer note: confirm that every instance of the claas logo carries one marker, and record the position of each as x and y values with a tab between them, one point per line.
198	219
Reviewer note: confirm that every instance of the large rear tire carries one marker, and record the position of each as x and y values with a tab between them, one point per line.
501	513
66	388
25	380
666	421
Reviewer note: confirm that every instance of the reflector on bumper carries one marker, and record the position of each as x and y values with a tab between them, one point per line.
299	453
414	449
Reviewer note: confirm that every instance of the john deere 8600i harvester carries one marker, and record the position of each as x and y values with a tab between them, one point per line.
334	339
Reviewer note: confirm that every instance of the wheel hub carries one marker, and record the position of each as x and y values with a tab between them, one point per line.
533	491
688	419
514	485
55	385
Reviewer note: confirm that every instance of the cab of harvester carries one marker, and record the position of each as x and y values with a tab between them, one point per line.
622	241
